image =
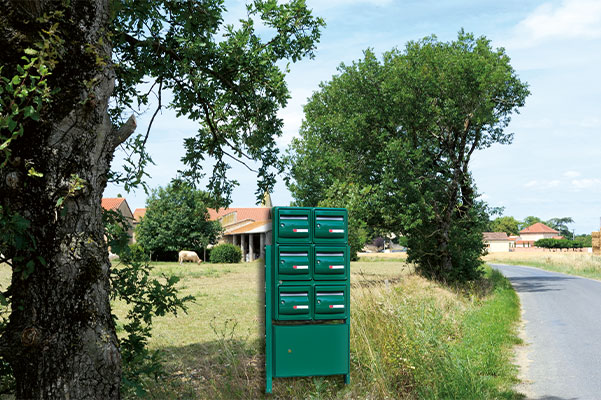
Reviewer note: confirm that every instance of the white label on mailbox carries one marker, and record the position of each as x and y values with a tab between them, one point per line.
336	266
336	305
300	266
300	230
302	307
336	230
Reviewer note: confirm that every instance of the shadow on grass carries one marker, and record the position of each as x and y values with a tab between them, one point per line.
220	369
230	369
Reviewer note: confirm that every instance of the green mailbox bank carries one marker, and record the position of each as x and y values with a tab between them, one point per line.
307	294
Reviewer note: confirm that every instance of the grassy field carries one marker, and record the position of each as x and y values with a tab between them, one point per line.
410	338
574	263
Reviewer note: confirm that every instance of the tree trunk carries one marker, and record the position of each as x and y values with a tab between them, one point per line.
60	340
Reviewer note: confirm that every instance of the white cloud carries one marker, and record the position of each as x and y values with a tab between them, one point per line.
586	183
571	174
542	185
572	19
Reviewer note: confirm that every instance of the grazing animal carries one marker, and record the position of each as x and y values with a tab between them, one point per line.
112	256
188	256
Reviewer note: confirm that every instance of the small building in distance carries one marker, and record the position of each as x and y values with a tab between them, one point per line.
496	242
536	232
246	227
119	204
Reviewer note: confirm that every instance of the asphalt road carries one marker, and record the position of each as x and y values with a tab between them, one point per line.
562	316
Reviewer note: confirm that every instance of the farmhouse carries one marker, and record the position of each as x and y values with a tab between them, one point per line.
120	205
535	232
496	242
248	228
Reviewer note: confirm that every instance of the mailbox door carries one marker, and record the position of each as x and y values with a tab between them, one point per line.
294	262
306	350
293	225
331	262
294	303
331	226
331	302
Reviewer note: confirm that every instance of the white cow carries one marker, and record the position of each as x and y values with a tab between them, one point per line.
189	256
112	256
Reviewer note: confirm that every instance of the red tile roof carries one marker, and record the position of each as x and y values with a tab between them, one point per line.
254	213
488	236
112	203
139	213
538	228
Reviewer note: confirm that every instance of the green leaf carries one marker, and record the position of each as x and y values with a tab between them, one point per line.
31	52
33	173
11	124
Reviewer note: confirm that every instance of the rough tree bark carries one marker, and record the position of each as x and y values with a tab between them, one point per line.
61	340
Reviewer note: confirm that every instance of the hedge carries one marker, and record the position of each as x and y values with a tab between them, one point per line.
226	253
558	244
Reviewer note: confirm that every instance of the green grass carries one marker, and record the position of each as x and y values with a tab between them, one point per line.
574	263
410	338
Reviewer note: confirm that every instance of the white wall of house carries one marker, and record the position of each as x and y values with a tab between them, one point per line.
537	236
498	246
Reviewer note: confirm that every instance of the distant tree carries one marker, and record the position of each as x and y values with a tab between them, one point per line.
403	130
529	221
561	225
509	225
177	219
585	239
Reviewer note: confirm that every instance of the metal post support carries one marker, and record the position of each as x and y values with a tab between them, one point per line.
268	321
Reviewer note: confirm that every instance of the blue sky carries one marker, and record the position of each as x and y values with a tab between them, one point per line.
553	167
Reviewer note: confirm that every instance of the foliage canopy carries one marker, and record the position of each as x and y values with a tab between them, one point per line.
71	74
404	130
177	219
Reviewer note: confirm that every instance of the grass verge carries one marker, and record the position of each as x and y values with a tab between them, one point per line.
410	338
580	264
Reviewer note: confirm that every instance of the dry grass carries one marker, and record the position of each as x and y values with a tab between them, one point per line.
574	263
409	338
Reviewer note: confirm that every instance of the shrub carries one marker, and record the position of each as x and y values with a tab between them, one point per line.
226	253
558	244
134	252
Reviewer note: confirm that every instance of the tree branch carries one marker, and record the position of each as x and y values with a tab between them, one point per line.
125	131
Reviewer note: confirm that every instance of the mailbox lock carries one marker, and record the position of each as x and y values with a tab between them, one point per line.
282	262
283	301
318	301
282	225
319	225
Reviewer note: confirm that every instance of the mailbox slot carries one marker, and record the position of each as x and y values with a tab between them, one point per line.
331	302
293	225
331	263
331	226
294	302
294	262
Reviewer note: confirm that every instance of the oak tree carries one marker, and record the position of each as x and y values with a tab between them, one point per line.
73	74
404	129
